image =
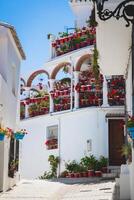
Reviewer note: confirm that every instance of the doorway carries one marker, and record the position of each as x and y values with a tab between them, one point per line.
116	141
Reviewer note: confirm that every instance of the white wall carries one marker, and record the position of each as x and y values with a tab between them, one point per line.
9	74
82	11
75	128
113	44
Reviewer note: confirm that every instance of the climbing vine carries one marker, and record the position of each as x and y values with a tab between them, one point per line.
96	67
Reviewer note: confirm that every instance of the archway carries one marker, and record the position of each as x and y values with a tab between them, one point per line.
35	74
85	59
58	67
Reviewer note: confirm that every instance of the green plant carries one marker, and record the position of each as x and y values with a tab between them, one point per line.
96	68
73	166
127	151
92	21
54	161
63	174
103	161
89	162
130	122
46	175
98	166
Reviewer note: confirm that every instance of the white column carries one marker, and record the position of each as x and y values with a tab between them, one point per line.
76	94
51	88
105	93
52	49
26	111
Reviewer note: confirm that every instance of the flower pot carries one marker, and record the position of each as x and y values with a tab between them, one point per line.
18	136
104	170
2	135
130	129
72	175
84	174
90	173
98	173
132	135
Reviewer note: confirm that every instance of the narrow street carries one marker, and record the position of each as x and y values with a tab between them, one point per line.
40	189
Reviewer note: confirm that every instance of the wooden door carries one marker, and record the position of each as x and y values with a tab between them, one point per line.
116	141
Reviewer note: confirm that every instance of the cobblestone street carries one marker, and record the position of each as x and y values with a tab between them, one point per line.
83	190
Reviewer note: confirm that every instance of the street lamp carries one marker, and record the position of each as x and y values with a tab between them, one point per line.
124	10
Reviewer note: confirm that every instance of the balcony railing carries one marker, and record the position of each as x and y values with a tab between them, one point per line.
89	94
73	41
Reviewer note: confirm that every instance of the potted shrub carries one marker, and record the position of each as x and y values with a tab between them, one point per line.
130	126
98	172
54	161
13	164
103	164
127	152
89	164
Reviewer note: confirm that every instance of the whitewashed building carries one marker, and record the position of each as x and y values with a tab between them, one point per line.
91	122
11	55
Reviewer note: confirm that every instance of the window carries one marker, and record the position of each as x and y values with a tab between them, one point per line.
52	137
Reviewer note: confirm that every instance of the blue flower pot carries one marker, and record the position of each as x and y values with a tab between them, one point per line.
132	135
2	135
130	129
18	136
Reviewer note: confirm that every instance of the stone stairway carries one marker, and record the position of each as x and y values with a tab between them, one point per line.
113	172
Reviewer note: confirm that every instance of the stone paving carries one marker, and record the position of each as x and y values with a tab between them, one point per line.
48	190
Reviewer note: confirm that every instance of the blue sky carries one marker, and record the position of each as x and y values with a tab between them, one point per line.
33	20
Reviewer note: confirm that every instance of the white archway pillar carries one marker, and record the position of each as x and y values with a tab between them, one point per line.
105	93
26	110
51	88
76	94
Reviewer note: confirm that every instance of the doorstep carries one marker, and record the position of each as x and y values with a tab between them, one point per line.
78	180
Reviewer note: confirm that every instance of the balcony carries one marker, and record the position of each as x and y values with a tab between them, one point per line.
69	42
86	93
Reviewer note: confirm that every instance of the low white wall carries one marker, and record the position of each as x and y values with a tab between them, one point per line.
75	128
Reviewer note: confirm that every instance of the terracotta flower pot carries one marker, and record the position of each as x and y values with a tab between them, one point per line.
84	174
98	173
91	173
104	170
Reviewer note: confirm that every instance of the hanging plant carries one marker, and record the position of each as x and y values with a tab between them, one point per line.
96	68
66	69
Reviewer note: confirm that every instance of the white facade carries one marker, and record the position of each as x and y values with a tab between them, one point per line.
74	130
82	11
10	59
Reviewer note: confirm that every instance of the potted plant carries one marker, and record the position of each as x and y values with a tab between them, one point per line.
103	163
98	172
12	168
130	126
127	152
89	164
19	135
3	132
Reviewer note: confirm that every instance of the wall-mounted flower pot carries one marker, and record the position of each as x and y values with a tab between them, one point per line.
130	129
18	136
2	135
132	135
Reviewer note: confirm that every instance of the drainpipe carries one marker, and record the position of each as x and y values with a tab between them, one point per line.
59	145
133	69
71	92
